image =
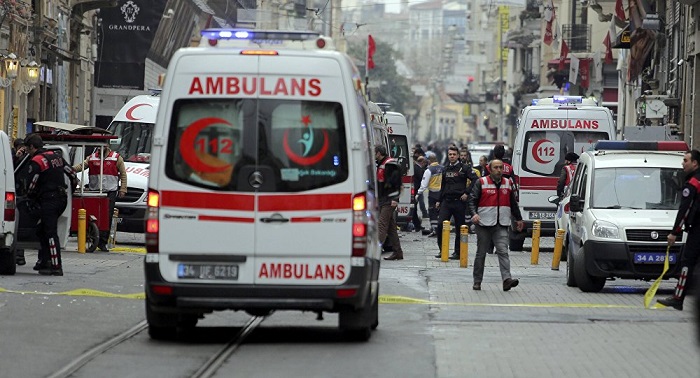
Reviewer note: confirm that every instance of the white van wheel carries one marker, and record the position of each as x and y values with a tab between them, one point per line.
8	265
161	326
586	282
570	279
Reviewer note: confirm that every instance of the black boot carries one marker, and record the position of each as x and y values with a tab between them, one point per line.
672	301
19	257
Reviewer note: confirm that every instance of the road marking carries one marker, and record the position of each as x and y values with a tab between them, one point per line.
127	249
383	299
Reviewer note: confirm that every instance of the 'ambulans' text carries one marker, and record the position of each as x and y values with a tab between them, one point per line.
564	124
247	85
302	271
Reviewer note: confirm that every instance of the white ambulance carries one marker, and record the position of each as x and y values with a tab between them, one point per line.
261	193
133	124
623	203
546	132
8	230
400	149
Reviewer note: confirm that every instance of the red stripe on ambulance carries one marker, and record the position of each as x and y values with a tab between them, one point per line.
226	219
543	183
302	271
305	202
243	202
253	85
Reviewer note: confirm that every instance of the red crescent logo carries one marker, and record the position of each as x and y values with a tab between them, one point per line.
534	151
130	112
187	148
310	160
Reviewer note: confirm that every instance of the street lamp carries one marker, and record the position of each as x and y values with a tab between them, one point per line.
11	66
33	73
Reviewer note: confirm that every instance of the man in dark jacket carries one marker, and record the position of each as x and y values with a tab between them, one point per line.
419	163
688	218
453	196
389	189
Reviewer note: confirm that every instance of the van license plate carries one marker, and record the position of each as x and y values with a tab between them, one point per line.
542	215
208	272
653	258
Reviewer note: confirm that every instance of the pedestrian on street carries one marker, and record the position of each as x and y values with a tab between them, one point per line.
453	196
499	152
688	218
419	164
483	163
113	181
431	181
389	189
491	204
567	174
48	189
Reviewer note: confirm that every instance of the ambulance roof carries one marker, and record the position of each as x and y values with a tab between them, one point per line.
564	100
142	108
266	39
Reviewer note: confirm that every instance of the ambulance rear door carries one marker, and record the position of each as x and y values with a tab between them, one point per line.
207	209
549	135
300	171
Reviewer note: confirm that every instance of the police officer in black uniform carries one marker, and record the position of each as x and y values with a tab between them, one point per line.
453	196
48	189
689	218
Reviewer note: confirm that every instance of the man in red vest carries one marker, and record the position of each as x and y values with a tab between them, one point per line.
491	204
567	173
113	182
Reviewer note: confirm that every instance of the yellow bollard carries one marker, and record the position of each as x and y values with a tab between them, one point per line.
445	247
463	246
82	224
535	254
558	246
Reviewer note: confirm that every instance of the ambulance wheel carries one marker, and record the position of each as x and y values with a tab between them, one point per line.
92	237
570	279
585	282
564	251
375	310
161	326
357	324
8	265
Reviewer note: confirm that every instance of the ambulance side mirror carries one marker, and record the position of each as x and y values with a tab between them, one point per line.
575	203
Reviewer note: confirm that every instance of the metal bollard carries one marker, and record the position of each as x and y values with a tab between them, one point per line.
558	246
82	227
463	246
445	247
535	254
112	240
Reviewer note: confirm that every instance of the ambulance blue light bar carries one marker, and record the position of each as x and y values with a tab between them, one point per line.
626	145
274	39
567	99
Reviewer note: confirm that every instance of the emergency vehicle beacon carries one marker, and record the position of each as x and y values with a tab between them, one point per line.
262	184
546	132
133	124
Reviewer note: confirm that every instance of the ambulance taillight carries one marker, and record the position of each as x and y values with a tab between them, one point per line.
152	222
10	207
359	225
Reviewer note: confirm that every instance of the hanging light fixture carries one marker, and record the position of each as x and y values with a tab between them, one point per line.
32	73
11	66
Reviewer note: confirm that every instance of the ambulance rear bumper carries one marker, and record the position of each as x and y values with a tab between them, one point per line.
203	298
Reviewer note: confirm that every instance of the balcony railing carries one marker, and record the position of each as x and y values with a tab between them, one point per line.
577	37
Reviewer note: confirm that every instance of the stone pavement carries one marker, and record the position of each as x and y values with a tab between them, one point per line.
542	328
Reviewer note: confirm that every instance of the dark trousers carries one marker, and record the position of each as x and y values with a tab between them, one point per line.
449	209
51	210
433	213
104	235
387	228
689	261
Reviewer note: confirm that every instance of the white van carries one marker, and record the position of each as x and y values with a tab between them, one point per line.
261	194
623	204
133	124
8	224
546	132
400	149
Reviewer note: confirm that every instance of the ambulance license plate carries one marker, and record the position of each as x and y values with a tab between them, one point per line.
542	215
208	271
653	258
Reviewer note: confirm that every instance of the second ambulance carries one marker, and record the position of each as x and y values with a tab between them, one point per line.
547	131
261	193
